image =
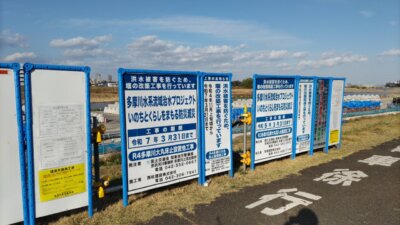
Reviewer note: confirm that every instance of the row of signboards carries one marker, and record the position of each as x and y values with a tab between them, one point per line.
175	126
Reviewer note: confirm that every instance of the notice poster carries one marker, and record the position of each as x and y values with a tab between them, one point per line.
274	118
161	129
61	182
304	115
217	124
336	111
321	107
61	138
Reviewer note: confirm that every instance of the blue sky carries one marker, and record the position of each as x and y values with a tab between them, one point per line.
357	39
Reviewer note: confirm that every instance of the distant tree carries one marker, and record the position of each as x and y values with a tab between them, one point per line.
247	83
236	83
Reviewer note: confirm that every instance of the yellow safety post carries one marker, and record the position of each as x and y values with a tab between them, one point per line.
246	120
101	186
246	158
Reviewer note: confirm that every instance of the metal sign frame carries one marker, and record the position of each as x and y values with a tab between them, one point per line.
314	97
121	92
20	126
327	135
202	132
29	68
254	110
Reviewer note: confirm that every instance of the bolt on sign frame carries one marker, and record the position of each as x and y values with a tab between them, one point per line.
216	124
159	121
13	191
58	134
274	126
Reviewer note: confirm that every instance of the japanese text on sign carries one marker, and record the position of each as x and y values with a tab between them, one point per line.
61	182
304	115
274	118
161	123
217	124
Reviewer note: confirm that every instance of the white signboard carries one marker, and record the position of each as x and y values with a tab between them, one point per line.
336	111
59	140
304	115
274	109
217	124
11	210
161	129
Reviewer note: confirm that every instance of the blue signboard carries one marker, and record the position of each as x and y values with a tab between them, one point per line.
274	107
159	128
216	123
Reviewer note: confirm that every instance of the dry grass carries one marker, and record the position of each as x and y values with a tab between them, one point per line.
357	135
241	93
103	94
109	94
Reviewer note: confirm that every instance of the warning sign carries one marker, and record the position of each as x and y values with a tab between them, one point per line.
61	182
334	136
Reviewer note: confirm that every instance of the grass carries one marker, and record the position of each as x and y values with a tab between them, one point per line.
359	134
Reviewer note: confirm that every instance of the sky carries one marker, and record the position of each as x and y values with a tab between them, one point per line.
356	39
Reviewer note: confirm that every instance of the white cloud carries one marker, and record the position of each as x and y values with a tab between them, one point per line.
367	13
300	54
327	54
152	51
20	56
96	52
228	29
391	52
331	61
80	42
279	54
82	47
9	39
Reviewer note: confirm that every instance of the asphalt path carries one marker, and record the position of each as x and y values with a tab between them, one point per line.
359	194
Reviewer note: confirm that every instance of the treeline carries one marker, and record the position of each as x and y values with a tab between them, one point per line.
245	83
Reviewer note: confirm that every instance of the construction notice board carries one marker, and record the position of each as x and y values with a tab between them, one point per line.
58	136
336	106
216	123
273	117
12	157
321	112
159	128
305	108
